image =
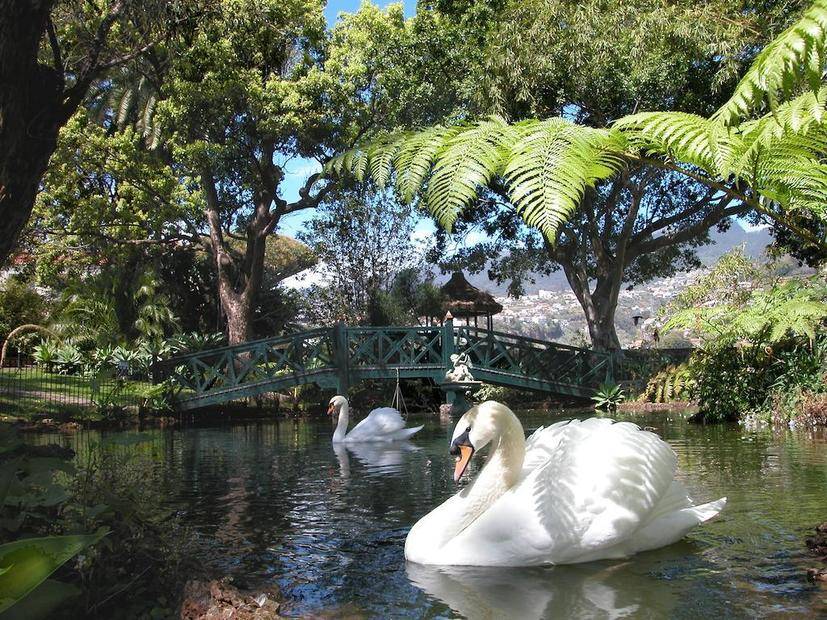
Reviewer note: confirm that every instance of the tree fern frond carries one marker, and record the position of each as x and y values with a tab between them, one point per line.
124	107
686	137
793	57
146	118
466	162
381	156
416	157
549	168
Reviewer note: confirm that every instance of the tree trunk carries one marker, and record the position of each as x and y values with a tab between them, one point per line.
239	279
239	314
31	114
599	306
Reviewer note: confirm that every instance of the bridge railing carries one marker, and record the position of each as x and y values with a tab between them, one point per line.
394	346
537	360
259	361
341	355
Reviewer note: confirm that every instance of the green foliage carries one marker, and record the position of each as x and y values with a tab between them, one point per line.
27	563
155	317
195	341
69	360
32	494
363	239
45	354
19	304
762	340
795	56
771	382
673	383
546	166
608	396
735	302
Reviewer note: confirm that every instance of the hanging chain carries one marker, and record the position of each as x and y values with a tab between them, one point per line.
399	400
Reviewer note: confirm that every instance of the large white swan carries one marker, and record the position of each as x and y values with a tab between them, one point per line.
573	492
382	424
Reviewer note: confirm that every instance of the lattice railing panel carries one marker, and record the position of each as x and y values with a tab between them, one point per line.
394	346
531	358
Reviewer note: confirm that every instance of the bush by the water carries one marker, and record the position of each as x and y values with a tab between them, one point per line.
139	563
763	348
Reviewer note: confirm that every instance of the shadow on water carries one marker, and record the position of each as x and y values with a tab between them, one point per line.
276	502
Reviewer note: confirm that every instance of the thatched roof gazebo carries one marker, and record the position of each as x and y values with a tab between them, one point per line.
462	299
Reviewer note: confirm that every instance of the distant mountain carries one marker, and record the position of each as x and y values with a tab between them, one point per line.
754	243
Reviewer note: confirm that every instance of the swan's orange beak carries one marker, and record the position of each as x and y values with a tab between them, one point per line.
330	409
465	454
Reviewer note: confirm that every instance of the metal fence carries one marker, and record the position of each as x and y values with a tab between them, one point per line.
29	389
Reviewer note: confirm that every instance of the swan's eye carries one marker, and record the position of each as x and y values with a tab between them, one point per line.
468	430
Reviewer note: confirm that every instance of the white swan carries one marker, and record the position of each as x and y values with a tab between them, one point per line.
574	492
382	424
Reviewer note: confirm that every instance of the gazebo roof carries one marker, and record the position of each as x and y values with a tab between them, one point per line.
463	299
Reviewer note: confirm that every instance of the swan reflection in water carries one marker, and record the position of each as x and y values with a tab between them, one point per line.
377	458
594	590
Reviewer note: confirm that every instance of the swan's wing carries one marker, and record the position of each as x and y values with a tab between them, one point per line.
378	423
591	485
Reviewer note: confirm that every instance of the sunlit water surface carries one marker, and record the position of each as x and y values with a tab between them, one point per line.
273	501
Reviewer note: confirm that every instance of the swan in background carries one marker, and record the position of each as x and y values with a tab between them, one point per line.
574	492
382	424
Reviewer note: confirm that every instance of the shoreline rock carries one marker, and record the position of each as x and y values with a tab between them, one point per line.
220	600
817	545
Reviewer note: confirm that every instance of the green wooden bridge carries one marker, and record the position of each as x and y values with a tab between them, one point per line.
341	356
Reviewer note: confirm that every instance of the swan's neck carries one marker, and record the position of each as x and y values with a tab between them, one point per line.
341	426
500	473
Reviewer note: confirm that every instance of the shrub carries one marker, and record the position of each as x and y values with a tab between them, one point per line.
46	354
608	396
68	359
673	383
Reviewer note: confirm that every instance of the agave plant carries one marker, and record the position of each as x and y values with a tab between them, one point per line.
45	354
608	396
69	359
194	341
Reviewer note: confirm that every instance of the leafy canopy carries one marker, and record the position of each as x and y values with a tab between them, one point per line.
772	163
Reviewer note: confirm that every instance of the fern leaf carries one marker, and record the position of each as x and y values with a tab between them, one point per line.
792	58
467	161
551	165
686	137
416	157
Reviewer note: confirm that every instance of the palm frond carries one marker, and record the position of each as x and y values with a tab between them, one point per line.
795	56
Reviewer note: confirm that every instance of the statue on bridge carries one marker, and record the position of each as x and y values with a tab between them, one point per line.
461	372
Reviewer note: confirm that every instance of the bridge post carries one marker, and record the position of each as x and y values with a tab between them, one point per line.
447	343
340	358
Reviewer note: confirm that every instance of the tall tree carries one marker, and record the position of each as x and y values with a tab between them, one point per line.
51	54
259	86
363	241
606	218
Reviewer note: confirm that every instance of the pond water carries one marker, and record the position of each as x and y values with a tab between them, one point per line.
273	501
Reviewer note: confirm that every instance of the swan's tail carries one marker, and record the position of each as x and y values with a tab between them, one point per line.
408	432
705	512
671	527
